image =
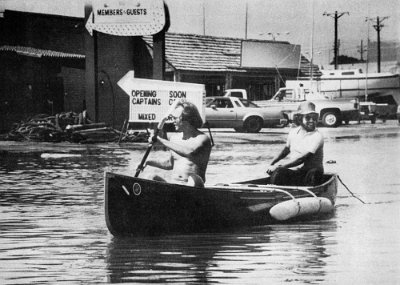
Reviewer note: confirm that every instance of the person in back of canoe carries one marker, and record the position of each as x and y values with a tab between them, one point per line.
305	145
189	148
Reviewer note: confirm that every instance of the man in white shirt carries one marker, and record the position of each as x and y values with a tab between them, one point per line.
305	145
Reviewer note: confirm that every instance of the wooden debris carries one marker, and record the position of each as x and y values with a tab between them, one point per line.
66	127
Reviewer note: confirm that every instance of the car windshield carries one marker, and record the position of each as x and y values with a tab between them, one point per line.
221	102
208	101
248	103
225	102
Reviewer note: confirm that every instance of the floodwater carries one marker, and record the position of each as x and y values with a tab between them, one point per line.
52	227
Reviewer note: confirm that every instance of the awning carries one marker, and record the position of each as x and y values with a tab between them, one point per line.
35	52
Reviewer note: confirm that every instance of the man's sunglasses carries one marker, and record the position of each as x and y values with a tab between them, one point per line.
173	118
311	116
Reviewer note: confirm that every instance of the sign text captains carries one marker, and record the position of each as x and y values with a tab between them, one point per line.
151	99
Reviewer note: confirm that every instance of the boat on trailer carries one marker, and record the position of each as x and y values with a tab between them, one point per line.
136	206
353	83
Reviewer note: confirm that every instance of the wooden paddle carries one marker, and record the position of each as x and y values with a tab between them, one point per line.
154	139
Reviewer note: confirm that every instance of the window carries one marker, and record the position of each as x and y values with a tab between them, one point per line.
223	103
248	104
237	94
285	95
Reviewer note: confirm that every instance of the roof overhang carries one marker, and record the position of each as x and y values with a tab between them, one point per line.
39	53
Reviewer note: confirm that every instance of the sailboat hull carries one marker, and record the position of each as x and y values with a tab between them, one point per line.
379	87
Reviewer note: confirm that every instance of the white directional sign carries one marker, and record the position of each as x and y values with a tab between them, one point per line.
149	100
127	17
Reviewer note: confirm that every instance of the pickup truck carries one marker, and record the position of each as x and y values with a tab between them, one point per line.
331	112
238	93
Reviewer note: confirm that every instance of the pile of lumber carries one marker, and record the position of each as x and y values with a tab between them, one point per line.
61	127
41	127
92	133
68	126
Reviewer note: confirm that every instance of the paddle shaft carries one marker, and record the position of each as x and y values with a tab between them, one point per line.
159	127
140	167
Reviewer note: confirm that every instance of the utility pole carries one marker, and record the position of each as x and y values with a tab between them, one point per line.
336	17
361	51
378	26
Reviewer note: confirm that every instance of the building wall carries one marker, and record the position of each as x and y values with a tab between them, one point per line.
108	59
214	83
52	78
74	88
92	82
68	77
260	85
115	59
44	31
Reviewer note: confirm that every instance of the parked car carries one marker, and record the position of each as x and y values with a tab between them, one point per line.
241	115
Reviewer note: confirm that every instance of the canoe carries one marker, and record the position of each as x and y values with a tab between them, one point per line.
136	206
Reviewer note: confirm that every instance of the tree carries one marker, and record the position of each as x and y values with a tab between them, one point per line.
344	59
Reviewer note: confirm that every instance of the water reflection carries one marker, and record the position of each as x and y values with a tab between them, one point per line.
51	225
296	252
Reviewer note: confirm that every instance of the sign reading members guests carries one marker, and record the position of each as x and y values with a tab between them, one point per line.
127	17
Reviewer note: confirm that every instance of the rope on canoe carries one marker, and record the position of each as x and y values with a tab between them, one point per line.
352	194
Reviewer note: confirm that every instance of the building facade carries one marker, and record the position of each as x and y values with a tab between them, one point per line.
51	64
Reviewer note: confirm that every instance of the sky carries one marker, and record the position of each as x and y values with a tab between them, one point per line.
297	21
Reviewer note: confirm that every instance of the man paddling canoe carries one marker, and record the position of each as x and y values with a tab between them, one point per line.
306	145
189	148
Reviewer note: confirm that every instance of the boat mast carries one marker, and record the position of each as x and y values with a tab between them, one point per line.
312	42
367	59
